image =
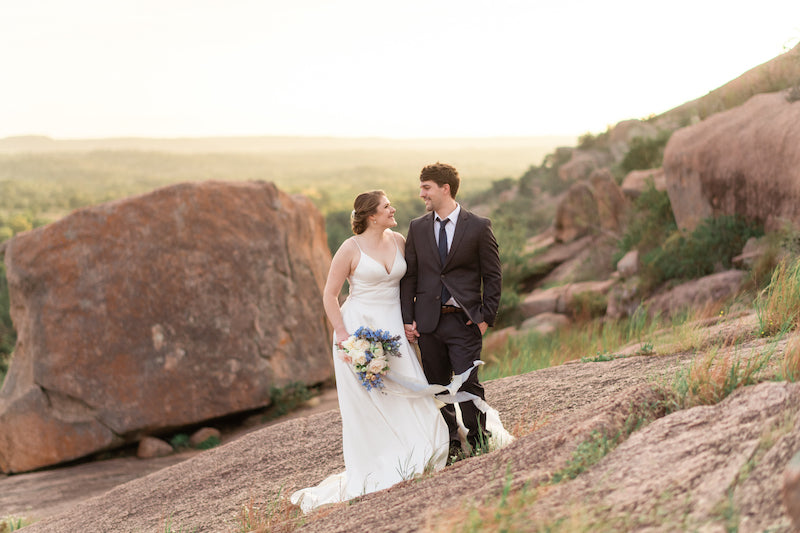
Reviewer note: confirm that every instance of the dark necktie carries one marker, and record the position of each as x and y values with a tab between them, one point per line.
443	254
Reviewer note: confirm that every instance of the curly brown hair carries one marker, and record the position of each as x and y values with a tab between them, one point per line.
365	204
441	173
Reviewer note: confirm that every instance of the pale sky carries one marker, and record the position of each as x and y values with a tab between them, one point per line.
369	68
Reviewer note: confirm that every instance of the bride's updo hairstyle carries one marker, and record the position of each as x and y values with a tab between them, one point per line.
366	204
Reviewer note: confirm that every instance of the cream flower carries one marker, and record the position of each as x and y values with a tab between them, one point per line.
360	358
361	345
347	344
376	365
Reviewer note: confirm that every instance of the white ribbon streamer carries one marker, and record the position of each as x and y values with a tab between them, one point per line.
410	388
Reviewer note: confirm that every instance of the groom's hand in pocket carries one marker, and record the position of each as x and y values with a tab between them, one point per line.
483	326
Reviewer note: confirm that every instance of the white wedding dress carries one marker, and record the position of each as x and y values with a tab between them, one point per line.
387	436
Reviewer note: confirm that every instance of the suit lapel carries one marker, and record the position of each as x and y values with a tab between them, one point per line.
429	239
461	230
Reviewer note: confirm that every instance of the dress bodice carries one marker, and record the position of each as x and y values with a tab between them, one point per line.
371	283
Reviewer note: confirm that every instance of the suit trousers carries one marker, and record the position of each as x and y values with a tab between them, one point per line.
451	348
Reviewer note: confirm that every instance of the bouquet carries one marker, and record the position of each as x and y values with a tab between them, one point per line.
367	352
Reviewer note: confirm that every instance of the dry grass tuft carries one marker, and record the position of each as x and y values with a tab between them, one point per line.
716	374
279	516
778	306
790	366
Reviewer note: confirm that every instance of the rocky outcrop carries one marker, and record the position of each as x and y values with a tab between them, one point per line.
744	161
583	163
624	132
159	311
636	181
588	206
545	323
563	299
708	468
697	293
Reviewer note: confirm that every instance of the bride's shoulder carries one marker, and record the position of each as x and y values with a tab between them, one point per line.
348	247
398	237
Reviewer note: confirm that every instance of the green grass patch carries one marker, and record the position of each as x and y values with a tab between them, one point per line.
534	351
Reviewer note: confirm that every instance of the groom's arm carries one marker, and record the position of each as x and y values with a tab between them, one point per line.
491	273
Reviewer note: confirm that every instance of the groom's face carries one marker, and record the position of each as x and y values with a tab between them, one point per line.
433	195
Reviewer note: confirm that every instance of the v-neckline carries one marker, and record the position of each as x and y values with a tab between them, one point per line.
388	272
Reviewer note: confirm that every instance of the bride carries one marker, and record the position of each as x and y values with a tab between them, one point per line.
388	435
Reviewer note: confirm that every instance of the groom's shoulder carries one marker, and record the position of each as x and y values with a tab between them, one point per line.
420	219
469	215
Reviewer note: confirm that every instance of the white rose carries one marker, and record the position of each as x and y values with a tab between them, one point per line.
360	358
378	351
347	344
361	344
376	365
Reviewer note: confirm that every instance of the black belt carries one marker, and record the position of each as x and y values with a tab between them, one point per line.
451	309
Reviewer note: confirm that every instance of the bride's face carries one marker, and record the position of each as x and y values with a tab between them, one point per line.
384	216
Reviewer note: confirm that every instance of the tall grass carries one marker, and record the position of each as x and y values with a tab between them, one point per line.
716	374
790	365
778	306
534	351
13	523
278	515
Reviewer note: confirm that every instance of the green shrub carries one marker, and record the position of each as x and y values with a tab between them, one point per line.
667	253
180	441
588	305
645	152
589	141
8	336
285	399
211	442
545	176
510	237
650	222
709	248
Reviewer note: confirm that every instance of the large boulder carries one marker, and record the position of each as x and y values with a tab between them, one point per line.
621	135
636	181
160	311
583	163
590	206
697	293
563	299
744	161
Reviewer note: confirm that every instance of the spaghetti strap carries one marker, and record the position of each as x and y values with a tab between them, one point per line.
359	246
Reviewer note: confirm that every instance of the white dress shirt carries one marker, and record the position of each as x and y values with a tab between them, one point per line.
450	230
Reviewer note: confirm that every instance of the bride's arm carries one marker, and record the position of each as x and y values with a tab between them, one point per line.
341	267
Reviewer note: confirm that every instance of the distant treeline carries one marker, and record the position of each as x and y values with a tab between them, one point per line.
38	186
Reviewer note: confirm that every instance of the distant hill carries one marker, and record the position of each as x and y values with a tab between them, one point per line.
774	75
270	144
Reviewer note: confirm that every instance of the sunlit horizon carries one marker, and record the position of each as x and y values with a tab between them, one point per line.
358	69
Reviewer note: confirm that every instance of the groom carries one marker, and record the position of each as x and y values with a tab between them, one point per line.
450	293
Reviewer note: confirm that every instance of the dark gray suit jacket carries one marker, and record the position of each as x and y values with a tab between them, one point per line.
472	272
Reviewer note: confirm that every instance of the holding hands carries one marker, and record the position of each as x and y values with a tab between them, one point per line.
411	331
